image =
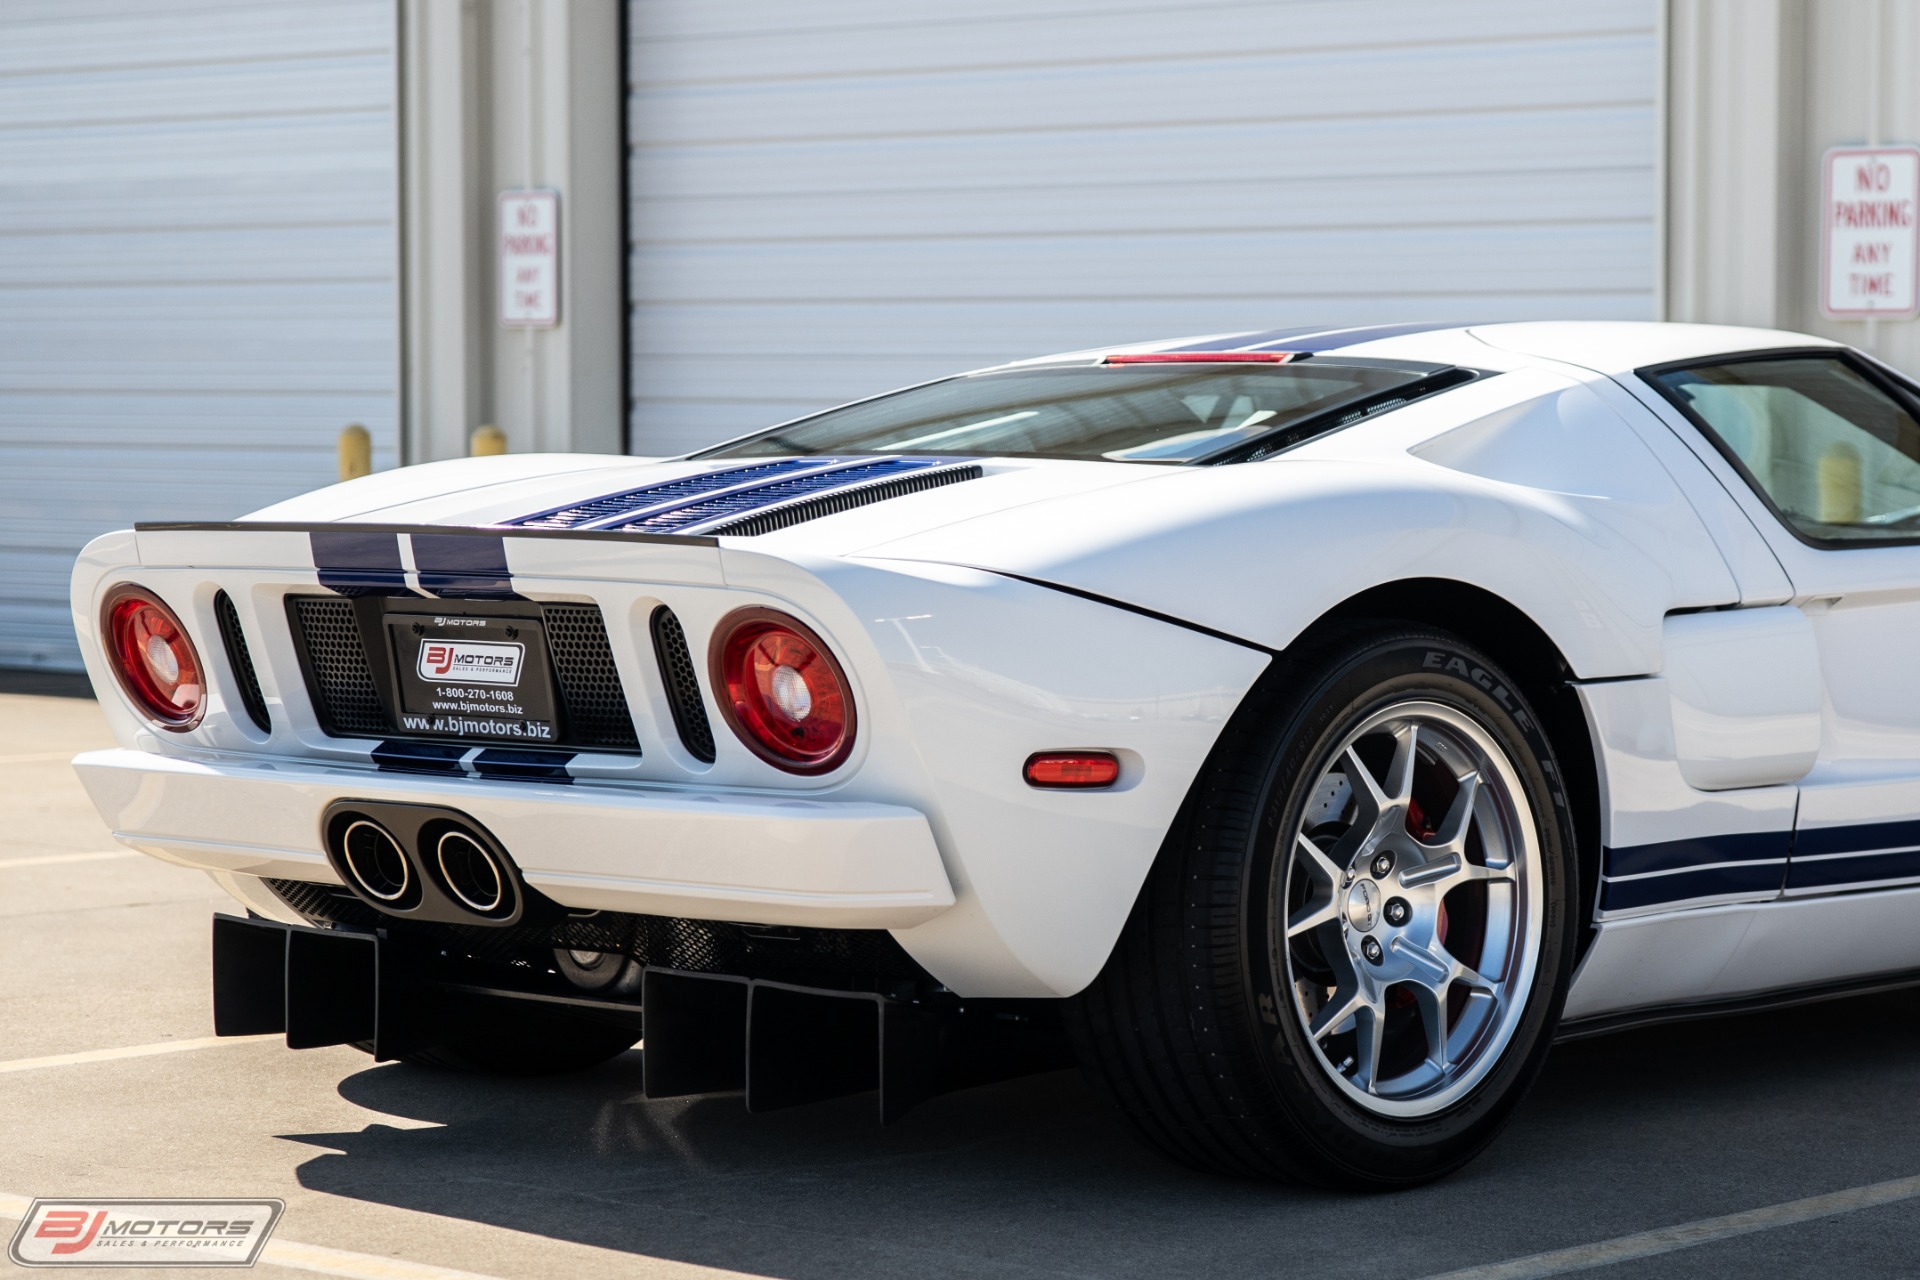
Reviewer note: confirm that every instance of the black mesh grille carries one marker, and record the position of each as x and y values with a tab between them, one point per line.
346	698
856	959
596	706
682	681
240	661
845	500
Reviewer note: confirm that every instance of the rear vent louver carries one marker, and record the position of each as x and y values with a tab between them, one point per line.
682	682
340	678
240	661
722	511
757	498
840	500
632	502
596	707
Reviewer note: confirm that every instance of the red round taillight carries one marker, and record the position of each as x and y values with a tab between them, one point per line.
782	691
153	658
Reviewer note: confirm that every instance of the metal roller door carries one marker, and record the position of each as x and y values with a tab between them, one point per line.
196	270
834	198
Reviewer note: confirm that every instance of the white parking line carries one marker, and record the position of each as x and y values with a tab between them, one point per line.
127	1051
38	755
56	859
1686	1235
312	1257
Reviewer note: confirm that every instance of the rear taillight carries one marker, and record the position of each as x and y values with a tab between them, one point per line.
782	692
153	658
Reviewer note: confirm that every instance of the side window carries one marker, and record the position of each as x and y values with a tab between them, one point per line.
1835	453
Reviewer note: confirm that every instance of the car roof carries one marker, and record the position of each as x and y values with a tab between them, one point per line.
1606	346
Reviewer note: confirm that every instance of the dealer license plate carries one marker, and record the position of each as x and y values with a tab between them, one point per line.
471	676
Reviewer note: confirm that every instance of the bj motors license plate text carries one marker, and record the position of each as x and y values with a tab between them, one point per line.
144	1233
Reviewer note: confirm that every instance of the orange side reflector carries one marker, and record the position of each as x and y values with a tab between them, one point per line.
1072	769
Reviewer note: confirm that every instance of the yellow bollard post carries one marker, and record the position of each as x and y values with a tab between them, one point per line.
487	441
1838	478
356	453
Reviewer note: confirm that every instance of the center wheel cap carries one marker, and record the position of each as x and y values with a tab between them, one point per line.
1363	905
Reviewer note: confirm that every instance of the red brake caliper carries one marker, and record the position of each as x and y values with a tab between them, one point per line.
1418	826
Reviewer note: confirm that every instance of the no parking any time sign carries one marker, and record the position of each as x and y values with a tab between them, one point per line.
1870	233
529	259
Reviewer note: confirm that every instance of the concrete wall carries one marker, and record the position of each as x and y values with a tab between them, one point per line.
497	94
1757	91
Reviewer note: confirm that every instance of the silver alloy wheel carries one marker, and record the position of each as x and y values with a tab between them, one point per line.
1407	920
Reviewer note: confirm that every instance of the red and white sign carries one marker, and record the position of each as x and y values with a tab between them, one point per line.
475	661
1870	233
529	259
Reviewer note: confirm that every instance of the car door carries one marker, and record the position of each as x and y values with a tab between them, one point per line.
1822	447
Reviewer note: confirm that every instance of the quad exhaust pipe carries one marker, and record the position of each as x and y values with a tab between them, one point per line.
423	862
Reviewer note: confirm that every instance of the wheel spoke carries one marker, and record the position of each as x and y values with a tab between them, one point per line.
1344	1004
1358	773
1319	864
1432	1003
1447	873
1399	780
1452	833
1322	906
1438	967
1472	979
1312	916
1434	871
1371	1023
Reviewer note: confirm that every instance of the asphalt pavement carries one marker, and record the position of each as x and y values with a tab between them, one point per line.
1712	1136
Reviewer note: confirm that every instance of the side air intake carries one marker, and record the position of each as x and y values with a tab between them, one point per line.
827	504
682	682
240	661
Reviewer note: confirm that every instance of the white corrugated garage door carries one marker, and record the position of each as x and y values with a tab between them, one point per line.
196	270
833	198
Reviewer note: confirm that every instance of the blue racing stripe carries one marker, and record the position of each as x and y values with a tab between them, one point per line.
1686	886
540	766
1334	339
397	756
356	563
1813	841
1678	855
1866	868
1242	341
463	566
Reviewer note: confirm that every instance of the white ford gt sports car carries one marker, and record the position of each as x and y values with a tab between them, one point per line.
1300	729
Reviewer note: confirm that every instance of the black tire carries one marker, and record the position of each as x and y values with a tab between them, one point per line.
1189	1030
530	1040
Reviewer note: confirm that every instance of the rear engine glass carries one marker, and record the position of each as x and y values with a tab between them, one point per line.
1124	413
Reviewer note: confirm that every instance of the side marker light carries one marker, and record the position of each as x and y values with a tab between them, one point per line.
1072	769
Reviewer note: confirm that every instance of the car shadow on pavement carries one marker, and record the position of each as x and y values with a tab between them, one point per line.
1034	1176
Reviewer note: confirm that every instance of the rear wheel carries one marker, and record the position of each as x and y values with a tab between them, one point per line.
1347	964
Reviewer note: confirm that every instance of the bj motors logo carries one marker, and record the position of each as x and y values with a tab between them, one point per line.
474	661
144	1233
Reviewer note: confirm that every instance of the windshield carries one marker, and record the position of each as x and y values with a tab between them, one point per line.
1126	413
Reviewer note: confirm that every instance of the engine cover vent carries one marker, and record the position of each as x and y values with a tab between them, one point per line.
722	501
827	504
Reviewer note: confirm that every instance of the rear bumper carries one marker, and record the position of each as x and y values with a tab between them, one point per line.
649	851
